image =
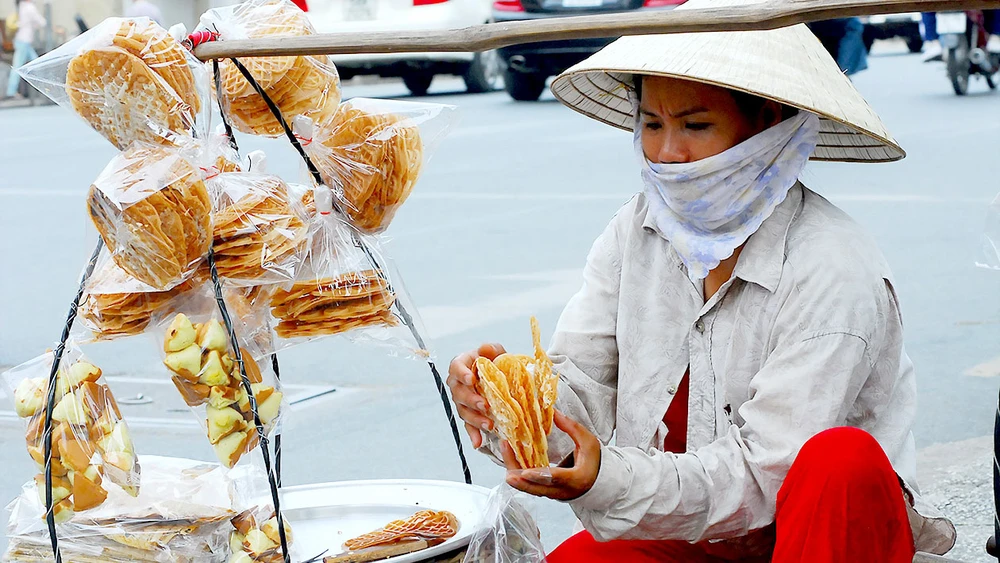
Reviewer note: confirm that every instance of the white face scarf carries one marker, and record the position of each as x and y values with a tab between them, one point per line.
707	208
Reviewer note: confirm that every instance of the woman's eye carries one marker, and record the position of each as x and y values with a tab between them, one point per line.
697	126
652	125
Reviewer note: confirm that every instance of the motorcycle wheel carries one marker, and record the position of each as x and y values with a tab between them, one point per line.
958	69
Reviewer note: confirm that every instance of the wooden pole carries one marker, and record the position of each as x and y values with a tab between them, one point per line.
769	14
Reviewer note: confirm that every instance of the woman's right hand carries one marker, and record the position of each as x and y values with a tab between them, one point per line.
472	407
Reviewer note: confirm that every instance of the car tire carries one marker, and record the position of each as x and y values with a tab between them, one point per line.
524	86
915	44
485	73
418	83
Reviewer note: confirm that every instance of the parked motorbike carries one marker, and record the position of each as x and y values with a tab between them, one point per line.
963	38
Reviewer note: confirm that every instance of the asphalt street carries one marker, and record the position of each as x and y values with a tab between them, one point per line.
497	230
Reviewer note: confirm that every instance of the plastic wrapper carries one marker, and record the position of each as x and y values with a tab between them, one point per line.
130	80
343	288
991	237
255	536
116	305
259	228
510	534
372	152
307	86
154	213
182	514
201	361
92	450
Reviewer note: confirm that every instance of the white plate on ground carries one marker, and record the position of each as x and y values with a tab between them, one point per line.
325	515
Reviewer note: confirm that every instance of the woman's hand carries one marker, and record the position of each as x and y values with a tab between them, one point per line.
556	482
472	407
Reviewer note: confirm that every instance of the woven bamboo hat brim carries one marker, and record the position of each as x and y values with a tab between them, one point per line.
788	65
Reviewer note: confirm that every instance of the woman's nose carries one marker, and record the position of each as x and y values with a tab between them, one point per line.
673	150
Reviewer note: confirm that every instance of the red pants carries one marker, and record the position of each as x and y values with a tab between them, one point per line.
841	502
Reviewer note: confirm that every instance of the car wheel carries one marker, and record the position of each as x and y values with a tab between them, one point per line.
485	73
524	86
915	44
418	83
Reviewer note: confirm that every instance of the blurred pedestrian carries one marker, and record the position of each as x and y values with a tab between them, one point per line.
144	9
843	38
29	21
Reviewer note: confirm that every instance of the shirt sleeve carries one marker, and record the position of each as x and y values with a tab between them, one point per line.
36	16
822	349
584	349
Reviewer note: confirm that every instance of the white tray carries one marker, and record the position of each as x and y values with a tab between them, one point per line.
323	516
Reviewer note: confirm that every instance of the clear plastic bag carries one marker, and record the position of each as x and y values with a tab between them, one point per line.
154	213
259	228
344	288
91	444
130	80
182	514
991	237
116	305
372	153
255	536
307	86
511	535
201	360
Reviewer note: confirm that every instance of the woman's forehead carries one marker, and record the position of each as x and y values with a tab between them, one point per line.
671	92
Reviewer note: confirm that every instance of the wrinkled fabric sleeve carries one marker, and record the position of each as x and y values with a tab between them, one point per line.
584	349
823	344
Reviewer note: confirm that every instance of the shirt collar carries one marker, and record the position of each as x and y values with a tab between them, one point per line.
763	254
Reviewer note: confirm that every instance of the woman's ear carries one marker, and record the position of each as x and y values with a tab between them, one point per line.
770	114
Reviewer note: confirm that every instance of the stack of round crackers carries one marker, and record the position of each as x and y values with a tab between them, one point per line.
111	315
376	159
153	212
297	85
333	305
256	230
134	84
521	392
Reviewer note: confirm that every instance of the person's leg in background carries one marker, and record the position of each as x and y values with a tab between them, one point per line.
992	23
851	54
24	52
932	45
842	502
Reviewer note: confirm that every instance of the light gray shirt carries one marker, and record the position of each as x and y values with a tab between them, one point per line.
805	336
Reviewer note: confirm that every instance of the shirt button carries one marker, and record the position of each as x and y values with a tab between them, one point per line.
700	326
672	389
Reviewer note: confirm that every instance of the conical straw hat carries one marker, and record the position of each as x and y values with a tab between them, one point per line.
788	65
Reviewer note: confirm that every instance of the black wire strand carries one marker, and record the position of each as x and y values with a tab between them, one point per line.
57	354
261	433
359	241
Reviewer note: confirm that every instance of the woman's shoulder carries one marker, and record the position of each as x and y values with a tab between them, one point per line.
824	243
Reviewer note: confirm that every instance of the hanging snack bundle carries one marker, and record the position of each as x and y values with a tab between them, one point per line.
115	304
130	80
521	393
337	289
153	212
307	86
205	374
91	443
259	227
256	538
373	150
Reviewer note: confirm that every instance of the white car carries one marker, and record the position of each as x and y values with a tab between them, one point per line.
482	72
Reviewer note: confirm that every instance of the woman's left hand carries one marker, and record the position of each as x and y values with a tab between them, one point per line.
556	482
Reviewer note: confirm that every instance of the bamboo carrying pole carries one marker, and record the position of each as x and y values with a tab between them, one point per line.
769	14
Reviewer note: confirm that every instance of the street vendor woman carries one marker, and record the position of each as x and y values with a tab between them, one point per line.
737	335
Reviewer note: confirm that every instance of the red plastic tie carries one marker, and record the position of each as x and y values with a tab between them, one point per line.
210	172
199	37
305	142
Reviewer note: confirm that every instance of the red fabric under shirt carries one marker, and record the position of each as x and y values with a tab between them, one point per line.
676	419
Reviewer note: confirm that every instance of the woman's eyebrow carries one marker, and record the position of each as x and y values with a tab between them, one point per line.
678	115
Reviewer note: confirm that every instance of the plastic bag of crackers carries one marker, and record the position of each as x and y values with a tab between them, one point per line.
129	80
92	450
344	288
306	85
510	534
259	228
153	211
182	513
200	358
116	305
372	153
